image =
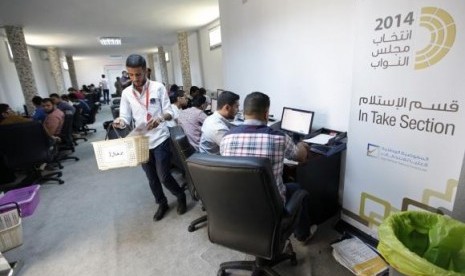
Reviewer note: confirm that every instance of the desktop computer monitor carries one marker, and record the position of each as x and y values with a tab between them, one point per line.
214	105
297	121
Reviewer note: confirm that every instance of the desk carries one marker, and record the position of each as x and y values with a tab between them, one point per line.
320	178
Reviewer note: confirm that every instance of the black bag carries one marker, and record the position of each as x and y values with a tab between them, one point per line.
115	133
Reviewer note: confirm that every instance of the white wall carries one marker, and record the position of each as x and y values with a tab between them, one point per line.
211	60
42	73
10	88
298	52
194	59
90	70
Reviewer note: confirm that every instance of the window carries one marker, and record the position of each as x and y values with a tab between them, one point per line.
214	35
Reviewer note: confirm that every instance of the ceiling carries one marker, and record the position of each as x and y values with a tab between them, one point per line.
74	26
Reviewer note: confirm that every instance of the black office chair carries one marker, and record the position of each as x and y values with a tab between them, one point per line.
245	211
90	119
26	146
182	150
77	125
67	140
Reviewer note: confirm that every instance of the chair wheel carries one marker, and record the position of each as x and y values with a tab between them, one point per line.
221	272
191	228
61	182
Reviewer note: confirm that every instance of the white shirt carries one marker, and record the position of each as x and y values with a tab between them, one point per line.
176	112
213	130
133	106
104	84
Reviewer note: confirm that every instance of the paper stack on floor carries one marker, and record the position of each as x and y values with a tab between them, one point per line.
358	257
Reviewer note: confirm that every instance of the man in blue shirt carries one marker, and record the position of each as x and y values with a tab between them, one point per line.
39	113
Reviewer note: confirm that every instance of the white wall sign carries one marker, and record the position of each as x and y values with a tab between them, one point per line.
407	113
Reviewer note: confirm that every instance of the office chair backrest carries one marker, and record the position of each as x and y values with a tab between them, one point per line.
92	115
66	134
183	150
77	118
243	204
24	144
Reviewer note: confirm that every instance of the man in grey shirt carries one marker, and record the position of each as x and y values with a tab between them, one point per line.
217	124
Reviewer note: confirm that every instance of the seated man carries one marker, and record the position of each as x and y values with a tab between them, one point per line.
7	116
79	104
62	105
217	124
54	120
39	112
191	120
255	138
178	102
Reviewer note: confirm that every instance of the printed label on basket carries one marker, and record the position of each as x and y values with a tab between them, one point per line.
115	153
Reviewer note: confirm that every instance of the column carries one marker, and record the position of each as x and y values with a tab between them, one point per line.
23	64
72	71
185	64
151	65
54	59
163	67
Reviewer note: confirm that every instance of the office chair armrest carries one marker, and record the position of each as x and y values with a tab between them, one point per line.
294	203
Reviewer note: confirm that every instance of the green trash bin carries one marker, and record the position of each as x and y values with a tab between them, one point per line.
422	243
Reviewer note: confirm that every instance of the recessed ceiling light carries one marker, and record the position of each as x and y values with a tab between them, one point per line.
110	41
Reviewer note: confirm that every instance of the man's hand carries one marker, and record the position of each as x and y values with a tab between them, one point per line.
119	123
302	153
153	123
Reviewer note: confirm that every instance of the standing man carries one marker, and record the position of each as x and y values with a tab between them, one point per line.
255	138
118	86
106	90
147	103
217	124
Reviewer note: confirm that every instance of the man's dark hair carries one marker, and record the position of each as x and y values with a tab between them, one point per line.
174	87
227	97
134	61
193	89
71	89
174	95
36	100
198	100
72	97
256	103
103	76
47	100
202	91
54	95
65	97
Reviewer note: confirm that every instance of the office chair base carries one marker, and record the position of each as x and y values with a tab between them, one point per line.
260	266
193	225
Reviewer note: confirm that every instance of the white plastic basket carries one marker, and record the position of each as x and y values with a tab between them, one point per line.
124	152
11	229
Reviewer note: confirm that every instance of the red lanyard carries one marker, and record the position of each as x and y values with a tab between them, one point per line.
149	116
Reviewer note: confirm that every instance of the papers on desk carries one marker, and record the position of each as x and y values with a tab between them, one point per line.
321	139
290	162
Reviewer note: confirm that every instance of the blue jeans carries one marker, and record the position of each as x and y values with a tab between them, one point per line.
157	170
302	229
